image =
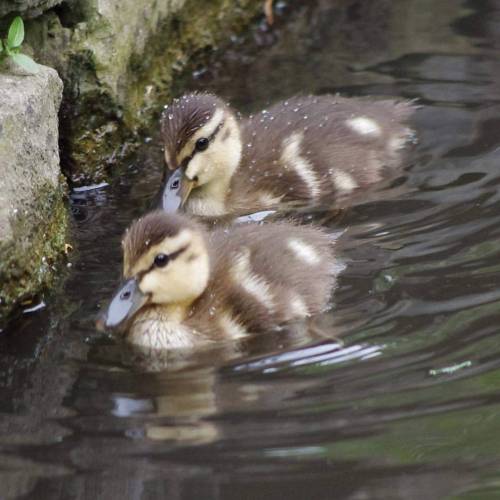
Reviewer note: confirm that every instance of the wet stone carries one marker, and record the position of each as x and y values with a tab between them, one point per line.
30	189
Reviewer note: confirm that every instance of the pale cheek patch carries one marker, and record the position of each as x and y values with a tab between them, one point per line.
254	285
291	156
304	252
364	126
344	181
231	327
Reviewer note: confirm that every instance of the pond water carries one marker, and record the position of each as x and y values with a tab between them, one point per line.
409	405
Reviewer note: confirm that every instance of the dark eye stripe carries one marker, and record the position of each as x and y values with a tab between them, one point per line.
171	257
211	137
176	254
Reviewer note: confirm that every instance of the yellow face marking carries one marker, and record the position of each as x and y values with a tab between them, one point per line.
214	169
183	279
167	246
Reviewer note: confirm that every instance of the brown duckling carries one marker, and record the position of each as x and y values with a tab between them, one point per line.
297	152
186	287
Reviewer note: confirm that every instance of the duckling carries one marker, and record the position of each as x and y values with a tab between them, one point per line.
185	286
299	151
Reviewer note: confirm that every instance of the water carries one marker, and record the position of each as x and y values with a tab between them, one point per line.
408	408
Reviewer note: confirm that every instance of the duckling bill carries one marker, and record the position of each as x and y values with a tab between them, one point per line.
174	193
184	287
298	151
125	303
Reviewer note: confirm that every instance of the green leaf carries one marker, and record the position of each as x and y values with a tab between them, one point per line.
25	62
16	33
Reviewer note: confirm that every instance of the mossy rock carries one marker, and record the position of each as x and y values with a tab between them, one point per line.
32	215
118	62
29	260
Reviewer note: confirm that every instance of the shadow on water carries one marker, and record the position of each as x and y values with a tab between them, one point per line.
408	407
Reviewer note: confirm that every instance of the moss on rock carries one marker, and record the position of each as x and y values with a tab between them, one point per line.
28	260
118	63
32	215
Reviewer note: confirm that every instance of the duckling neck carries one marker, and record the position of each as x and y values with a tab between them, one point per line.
210	199
176	313
162	327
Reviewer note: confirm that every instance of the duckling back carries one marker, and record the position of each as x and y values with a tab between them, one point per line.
306	148
264	276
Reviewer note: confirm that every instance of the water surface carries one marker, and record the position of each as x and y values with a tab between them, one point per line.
408	408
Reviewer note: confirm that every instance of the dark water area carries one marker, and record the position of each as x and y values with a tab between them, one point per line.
407	407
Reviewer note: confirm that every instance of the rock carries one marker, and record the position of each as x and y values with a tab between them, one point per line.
118	59
32	213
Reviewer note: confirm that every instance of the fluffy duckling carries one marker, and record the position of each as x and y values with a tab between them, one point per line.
186	287
298	151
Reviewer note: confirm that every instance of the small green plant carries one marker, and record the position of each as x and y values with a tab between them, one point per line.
10	47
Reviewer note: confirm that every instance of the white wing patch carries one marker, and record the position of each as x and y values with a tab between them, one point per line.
231	327
242	274
364	126
303	251
291	156
344	181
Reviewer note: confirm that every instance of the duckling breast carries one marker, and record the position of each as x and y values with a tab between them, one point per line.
152	330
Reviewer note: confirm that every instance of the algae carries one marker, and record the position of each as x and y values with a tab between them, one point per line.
29	260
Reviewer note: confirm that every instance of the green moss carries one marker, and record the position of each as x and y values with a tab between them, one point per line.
28	261
199	26
97	121
111	93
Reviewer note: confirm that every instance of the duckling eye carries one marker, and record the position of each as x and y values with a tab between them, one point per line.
202	144
161	260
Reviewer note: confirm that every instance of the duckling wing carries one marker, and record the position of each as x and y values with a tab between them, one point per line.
266	275
309	147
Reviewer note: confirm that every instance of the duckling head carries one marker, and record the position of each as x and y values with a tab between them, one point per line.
166	263
202	139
